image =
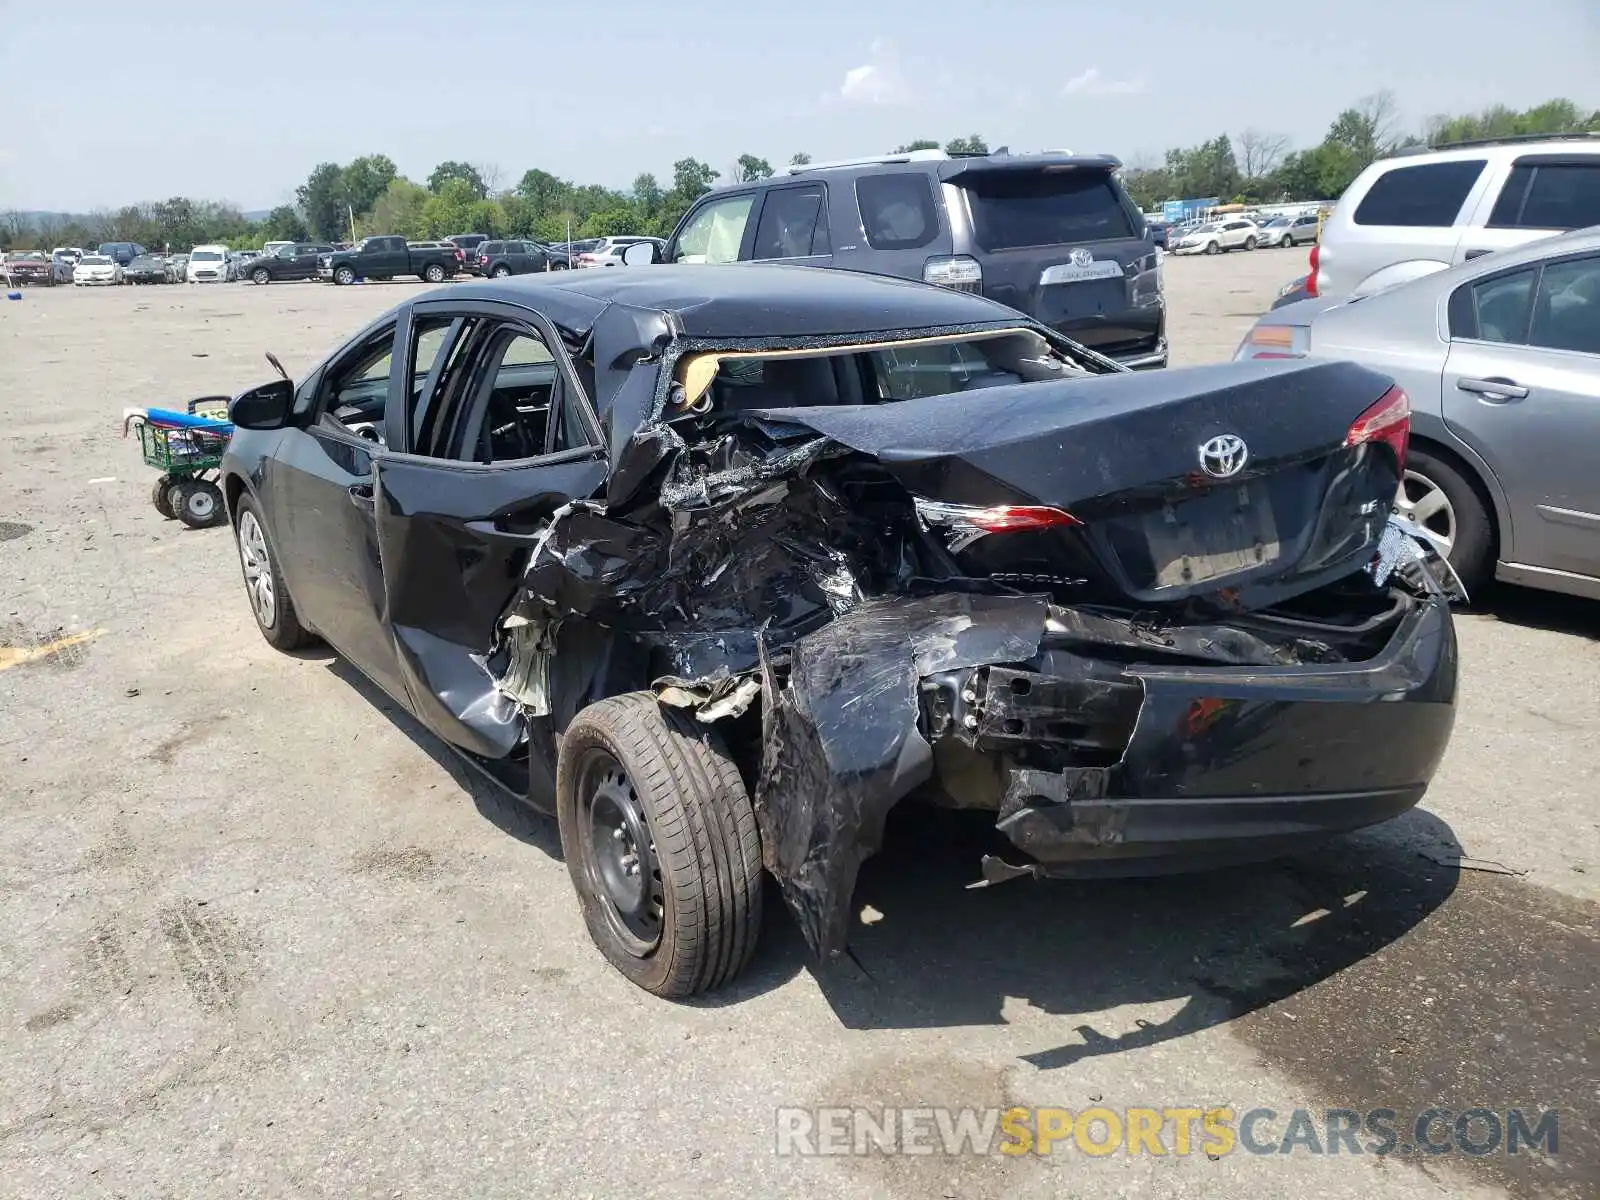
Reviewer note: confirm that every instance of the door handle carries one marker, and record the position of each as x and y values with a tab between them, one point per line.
1495	390
1471	254
361	496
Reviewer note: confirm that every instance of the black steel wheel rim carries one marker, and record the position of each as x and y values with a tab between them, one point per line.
619	852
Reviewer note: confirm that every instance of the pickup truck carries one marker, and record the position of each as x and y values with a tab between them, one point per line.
385	257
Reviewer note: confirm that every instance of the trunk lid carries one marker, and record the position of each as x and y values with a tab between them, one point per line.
1234	477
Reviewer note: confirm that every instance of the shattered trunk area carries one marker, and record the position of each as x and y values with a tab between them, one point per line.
768	562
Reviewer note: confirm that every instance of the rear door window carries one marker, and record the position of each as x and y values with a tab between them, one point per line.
1494	309
794	223
1428	194
1011	209
897	210
1549	196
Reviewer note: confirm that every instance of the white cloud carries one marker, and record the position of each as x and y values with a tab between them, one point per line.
878	81
1092	83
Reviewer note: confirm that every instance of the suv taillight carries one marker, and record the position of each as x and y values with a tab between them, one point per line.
957	271
483	260
1388	421
1311	278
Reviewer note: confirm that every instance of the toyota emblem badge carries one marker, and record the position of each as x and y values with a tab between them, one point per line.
1224	456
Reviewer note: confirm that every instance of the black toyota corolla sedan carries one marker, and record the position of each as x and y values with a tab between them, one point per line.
717	564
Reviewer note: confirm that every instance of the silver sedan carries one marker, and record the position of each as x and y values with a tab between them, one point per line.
1501	359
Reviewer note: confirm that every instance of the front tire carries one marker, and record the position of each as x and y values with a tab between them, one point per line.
661	843
269	600
1213	248
1250	242
1436	495
344	276
260	275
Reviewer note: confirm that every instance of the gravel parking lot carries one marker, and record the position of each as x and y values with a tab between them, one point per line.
263	936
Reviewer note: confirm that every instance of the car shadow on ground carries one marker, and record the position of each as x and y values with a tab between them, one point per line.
934	952
1532	609
1216	945
498	807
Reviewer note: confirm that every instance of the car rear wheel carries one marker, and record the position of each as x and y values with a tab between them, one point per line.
260	275
433	273
1435	495
500	272
661	842
269	599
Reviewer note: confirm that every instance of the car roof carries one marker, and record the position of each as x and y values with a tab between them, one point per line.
744	299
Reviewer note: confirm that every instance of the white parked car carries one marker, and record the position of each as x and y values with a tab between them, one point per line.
1232	233
609	252
208	264
96	270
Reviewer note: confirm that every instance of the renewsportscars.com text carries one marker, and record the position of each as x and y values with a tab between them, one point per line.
1101	1131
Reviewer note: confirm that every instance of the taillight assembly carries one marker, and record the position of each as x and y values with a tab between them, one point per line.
1388	421
964	524
483	260
1311	277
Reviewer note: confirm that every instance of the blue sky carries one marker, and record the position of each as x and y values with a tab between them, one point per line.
217	99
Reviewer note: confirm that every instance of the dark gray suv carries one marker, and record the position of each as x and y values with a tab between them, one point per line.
1054	235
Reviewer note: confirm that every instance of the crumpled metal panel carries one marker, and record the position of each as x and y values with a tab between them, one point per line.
840	736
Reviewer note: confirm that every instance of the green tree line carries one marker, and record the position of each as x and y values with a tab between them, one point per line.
1257	167
369	195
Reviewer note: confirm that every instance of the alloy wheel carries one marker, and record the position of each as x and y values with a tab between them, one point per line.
1421	500
257	564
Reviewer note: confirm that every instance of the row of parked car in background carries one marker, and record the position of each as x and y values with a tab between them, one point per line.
379	257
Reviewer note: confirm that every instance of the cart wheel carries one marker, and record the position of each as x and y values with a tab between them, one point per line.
160	496
200	504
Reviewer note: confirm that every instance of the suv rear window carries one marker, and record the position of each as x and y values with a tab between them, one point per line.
1039	208
897	210
1423	195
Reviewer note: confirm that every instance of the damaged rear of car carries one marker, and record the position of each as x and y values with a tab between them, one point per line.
812	567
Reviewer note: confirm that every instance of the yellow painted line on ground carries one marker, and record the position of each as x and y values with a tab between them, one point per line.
15	656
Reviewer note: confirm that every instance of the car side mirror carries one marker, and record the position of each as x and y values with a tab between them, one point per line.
639	254
265	407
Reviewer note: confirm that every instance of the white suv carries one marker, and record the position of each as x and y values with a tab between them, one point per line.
1426	210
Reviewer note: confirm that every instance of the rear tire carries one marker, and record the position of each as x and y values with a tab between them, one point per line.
636	780
260	275
433	273
160	497
500	272
1472	540
277	619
